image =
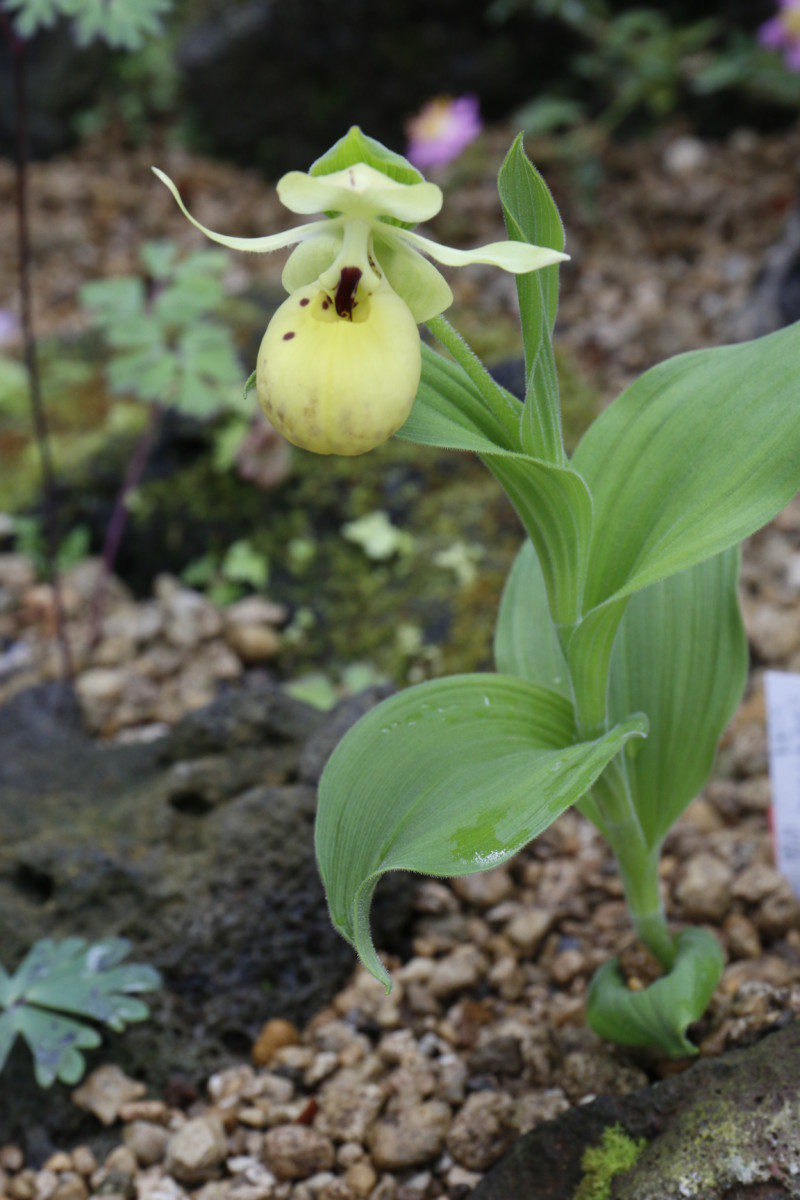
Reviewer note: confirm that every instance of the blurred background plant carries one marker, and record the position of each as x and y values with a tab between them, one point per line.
59	981
167	349
637	67
121	24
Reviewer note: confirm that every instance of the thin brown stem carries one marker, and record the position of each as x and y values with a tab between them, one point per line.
119	518
38	413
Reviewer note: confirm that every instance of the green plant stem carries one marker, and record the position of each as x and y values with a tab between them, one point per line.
615	814
498	399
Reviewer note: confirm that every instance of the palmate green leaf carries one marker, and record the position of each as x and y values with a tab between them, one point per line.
70	977
55	1042
680	657
531	216
447	778
659	1015
114	301
124	24
553	502
697	454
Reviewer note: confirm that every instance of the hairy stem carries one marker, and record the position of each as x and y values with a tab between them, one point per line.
495	395
38	413
119	518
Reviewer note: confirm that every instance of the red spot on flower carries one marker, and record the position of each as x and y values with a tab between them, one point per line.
287	337
346	291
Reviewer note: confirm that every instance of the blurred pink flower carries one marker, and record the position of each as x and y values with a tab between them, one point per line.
783	32
9	326
442	129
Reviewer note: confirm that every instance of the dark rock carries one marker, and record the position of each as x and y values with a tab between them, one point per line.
776	298
723	1130
63	80
199	848
273	84
498	1056
321	745
510	374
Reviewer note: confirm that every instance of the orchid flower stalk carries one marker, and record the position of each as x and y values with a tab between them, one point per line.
340	363
620	649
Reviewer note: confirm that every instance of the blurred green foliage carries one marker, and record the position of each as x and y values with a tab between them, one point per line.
123	24
228	576
642	64
59	981
166	344
30	540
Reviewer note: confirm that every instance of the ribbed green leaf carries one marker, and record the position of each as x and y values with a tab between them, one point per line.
525	640
659	1015
531	216
553	502
681	658
696	455
447	778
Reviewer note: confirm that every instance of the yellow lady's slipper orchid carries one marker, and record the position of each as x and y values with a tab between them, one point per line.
339	365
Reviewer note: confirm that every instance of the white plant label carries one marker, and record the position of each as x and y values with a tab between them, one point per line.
782	690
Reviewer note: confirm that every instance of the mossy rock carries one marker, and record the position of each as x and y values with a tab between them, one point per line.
726	1129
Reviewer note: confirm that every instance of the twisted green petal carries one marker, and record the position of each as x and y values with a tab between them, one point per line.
516	257
260	245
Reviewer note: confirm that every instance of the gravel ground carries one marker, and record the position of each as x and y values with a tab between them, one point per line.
414	1096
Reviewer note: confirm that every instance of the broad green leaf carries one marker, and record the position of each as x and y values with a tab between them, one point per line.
525	639
531	216
447	778
659	1015
449	411
553	502
681	657
696	455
